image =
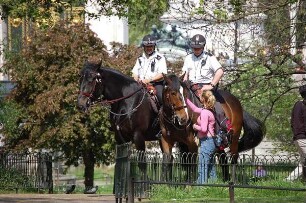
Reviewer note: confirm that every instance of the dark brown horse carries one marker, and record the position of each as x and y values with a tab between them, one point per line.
131	114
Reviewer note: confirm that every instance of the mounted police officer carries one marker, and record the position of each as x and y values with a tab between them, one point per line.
202	68
150	66
204	72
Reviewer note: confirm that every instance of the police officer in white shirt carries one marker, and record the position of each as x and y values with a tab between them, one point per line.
150	66
202	68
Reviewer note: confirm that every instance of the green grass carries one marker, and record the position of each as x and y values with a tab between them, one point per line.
164	193
100	172
103	177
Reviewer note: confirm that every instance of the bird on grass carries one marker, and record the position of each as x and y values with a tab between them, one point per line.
70	189
91	190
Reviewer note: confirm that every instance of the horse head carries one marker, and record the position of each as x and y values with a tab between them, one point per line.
89	81
173	102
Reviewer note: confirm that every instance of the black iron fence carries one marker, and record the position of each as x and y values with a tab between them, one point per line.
26	171
136	172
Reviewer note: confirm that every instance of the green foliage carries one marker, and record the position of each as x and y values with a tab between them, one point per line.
46	75
269	96
238	6
12	178
11	116
142	15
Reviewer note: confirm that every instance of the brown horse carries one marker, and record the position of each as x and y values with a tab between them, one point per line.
231	110
176	127
183	133
174	121
254	129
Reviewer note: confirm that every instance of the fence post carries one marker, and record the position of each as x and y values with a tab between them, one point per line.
231	184
48	160
130	179
131	190
231	192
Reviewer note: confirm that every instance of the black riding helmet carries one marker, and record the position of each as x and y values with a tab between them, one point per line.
148	40
198	41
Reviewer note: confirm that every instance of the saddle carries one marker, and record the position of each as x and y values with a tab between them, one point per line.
153	98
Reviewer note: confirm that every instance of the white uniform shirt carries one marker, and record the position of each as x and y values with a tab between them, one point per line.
201	69
147	68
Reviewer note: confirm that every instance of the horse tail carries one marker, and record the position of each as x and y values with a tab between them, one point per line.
254	132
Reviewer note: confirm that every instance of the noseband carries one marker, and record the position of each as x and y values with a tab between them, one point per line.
96	80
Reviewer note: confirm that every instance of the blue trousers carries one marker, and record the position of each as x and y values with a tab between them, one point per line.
206	167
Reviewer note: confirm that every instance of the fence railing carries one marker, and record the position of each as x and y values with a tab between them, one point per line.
144	169
26	171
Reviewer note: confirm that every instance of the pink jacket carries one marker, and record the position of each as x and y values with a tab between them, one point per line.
205	122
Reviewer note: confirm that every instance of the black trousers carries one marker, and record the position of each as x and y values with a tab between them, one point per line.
159	86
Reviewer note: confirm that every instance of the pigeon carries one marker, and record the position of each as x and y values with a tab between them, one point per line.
91	190
70	189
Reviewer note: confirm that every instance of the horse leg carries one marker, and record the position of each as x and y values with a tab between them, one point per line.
167	146
223	162
233	111
192	156
139	142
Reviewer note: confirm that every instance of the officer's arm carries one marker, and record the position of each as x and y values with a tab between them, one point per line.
157	77
136	77
217	77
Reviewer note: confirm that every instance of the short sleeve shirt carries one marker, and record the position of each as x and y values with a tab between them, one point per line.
147	68
201	69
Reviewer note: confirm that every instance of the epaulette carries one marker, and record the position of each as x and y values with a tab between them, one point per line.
139	61
209	54
158	57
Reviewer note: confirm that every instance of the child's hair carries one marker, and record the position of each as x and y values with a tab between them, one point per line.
208	99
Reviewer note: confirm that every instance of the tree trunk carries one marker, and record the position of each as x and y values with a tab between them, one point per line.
89	162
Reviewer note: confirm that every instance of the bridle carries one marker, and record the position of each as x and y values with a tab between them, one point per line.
173	109
96	80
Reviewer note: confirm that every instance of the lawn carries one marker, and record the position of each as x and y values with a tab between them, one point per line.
103	178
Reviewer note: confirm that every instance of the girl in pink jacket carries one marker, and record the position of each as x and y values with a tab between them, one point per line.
205	132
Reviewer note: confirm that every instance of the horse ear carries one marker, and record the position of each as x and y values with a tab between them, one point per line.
100	63
182	76
167	80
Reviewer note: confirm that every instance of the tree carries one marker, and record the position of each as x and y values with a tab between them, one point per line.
46	75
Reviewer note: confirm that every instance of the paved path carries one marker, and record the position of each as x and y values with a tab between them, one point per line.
56	198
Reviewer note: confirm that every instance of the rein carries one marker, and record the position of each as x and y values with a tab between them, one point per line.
105	102
119	99
133	109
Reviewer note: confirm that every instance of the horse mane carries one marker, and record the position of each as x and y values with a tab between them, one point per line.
96	66
118	74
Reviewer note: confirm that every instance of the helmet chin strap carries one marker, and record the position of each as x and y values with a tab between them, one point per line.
150	53
199	54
